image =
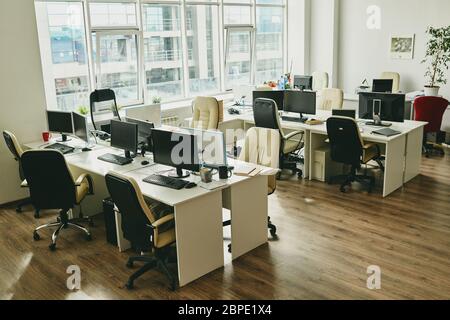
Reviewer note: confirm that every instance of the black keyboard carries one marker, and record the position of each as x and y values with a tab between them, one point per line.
61	148
115	159
163	181
293	119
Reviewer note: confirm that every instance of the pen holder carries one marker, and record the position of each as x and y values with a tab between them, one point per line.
206	175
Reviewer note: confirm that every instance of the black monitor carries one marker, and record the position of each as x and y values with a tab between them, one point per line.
382	85
60	122
144	133
301	102
303	82
80	128
176	149
382	107
124	136
276	95
344	113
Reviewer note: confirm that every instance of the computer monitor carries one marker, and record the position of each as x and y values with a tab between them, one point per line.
80	128
124	136
60	122
212	147
382	85
176	149
276	95
303	82
381	107
301	102
144	132
344	113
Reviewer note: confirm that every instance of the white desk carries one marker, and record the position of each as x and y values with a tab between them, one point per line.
403	152
198	212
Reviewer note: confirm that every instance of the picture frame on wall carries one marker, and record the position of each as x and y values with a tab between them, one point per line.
402	47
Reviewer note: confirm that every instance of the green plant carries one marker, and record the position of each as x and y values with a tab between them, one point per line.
156	100
438	53
83	110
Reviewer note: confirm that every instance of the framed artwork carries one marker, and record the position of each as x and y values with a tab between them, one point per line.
402	47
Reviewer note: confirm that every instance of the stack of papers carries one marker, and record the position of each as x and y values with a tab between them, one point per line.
212	185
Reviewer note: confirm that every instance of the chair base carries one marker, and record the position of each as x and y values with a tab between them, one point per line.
23	203
432	148
160	260
272	228
289	162
62	222
367	181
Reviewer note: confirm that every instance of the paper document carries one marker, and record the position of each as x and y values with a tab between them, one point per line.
213	185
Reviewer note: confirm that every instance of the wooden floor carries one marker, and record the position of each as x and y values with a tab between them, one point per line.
326	242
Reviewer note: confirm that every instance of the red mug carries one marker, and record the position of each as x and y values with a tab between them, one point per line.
46	136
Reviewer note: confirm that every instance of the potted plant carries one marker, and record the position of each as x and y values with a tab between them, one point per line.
83	110
438	55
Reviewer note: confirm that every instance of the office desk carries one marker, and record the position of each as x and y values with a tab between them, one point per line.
198	212
403	152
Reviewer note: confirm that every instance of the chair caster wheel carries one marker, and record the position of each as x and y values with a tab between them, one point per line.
129	285
273	232
229	248
88	237
19	210
130	264
36	215
342	189
36	236
300	174
52	247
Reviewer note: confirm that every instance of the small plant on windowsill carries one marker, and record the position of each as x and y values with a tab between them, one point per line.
156	100
83	110
438	54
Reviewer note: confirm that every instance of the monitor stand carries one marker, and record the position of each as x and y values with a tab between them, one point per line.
378	123
179	174
128	155
63	138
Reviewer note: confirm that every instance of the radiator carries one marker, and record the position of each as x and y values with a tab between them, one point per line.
171	121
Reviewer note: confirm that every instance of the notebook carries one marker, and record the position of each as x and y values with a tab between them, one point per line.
387	132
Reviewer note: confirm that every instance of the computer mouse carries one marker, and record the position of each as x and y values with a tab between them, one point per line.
190	185
86	149
145	163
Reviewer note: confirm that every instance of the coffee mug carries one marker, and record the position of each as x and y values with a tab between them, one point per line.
224	173
206	175
46	136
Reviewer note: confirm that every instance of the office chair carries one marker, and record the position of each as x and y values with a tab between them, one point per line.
53	187
347	147
445	127
395	76
206	113
320	80
99	96
330	99
14	146
431	110
265	112
147	228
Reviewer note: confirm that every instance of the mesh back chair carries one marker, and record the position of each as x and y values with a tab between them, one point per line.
16	150
53	187
347	147
265	112
148	228
98	96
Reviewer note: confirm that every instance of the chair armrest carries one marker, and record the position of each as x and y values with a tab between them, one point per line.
24	184
163	220
293	134
88	178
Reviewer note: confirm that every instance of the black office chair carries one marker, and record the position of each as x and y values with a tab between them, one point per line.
147	228
265	112
347	147
98	96
53	187
13	145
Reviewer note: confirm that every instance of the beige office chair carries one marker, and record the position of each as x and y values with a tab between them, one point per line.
262	147
320	80
395	76
330	99
206	113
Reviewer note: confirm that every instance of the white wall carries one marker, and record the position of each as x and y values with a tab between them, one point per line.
364	53
22	108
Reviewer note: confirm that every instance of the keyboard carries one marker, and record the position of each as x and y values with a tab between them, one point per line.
293	119
163	181
61	148
115	159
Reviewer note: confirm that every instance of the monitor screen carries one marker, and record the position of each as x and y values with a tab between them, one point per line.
144	129
303	82
176	149
276	95
59	121
382	85
80	128
391	107
303	102
124	135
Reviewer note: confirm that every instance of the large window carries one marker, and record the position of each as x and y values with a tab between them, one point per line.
143	49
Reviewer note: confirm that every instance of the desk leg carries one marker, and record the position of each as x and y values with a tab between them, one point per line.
413	157
394	165
248	205
307	160
199	233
